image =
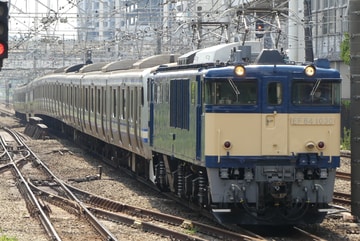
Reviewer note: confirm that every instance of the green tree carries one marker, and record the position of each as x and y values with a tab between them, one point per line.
345	49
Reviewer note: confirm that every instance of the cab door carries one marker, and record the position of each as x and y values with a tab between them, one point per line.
274	114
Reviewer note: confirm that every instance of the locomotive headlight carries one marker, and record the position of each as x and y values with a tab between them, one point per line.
310	145
227	145
239	70
310	70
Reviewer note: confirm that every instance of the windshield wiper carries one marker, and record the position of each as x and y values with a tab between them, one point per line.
316	86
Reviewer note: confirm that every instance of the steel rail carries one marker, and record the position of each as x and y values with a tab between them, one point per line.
114	206
343	175
45	221
120	213
104	232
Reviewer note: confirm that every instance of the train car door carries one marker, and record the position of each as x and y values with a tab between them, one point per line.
136	117
103	112
132	118
112	112
80	104
140	104
128	114
97	111
151	86
84	104
62	101
91	115
274	116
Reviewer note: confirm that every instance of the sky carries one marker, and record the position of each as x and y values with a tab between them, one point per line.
42	17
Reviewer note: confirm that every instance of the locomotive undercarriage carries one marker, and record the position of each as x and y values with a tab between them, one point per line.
271	195
187	181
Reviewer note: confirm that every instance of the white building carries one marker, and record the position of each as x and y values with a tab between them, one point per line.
328	21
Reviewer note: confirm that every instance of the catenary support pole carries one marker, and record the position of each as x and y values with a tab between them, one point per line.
354	32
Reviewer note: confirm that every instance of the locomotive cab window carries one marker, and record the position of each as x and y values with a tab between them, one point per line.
230	92
274	93
319	92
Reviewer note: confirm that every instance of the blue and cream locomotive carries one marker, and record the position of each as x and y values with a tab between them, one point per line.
254	143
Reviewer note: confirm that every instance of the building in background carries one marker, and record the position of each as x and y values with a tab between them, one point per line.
331	22
328	22
48	34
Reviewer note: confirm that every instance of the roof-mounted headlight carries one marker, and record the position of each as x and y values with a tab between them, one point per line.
239	70
310	70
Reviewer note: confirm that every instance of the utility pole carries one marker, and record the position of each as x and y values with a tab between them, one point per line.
309	54
354	30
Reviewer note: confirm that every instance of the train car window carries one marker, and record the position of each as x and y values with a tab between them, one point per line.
155	92
86	99
166	92
76	97
114	102
193	92
103	98
98	101
92	99
274	93
71	96
135	102
59	92
158	93
131	105
148	89
56	92
127	106
142	96
63	94
123	107
319	92
118	91
229	92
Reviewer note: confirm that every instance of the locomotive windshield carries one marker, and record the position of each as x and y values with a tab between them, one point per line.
229	92
320	92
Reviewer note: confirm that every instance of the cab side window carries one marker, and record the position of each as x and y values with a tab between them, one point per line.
274	93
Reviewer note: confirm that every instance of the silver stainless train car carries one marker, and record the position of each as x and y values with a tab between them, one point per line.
253	143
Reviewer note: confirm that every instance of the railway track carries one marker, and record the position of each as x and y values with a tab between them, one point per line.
51	194
342	198
25	164
345	153
343	175
146	220
339	197
32	203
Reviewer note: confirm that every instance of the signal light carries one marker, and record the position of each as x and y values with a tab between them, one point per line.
259	27
2	48
4	30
